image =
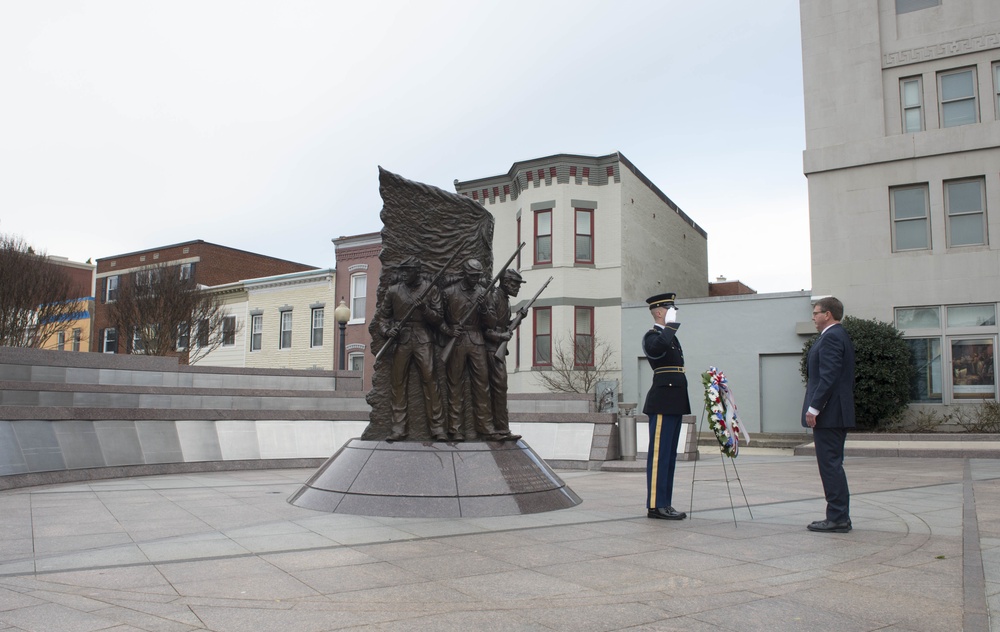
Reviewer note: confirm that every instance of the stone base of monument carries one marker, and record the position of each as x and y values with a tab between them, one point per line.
435	480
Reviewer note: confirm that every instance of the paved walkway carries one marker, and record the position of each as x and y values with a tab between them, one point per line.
225	552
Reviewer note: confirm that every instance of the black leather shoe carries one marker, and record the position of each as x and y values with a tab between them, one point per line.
827	526
666	513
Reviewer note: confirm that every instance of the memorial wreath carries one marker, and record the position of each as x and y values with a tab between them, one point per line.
723	418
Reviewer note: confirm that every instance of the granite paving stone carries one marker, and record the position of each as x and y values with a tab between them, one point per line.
224	551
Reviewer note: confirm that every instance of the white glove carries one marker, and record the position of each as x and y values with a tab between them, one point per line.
671	316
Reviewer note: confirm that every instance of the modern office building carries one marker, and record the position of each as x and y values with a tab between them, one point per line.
902	111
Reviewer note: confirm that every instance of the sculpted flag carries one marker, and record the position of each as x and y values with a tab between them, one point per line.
430	224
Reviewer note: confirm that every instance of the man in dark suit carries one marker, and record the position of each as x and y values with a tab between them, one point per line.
829	409
666	402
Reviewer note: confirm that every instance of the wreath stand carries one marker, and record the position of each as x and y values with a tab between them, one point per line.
736	476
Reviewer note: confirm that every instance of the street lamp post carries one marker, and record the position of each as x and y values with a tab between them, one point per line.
342	314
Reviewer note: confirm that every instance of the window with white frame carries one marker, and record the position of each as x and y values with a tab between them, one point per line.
957	90
204	329
584	248
111	289
228	331
356	362
183	336
316	340
996	89
912	104
953	356
965	207
256	331
359	296
543	236
185	271
285	336
61	341
911	227
77	337
109	344
543	336
138	346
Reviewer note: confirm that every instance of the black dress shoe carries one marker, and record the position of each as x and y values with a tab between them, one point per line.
828	526
666	513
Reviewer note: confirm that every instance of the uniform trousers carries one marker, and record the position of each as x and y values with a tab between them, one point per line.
661	459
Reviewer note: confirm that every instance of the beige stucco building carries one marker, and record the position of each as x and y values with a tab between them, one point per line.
605	233
902	110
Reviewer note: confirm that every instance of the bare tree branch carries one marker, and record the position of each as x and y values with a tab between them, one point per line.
35	295
566	376
159	312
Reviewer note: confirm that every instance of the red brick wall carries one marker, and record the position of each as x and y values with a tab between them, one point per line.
215	265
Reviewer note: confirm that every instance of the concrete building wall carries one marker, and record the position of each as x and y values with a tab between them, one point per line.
632	221
754	339
907	100
662	249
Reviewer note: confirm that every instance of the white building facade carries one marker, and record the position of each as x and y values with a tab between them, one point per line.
902	109
281	322
606	234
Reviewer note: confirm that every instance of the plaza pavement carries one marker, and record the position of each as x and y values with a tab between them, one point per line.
224	551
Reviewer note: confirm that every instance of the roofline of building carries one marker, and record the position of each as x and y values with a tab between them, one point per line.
64	261
521	164
580	158
200	242
364	239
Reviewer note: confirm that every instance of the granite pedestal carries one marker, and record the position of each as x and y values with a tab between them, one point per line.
435	480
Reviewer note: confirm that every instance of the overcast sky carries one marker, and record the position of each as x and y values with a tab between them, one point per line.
127	125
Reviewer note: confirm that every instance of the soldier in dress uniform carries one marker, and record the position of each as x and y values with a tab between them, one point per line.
666	403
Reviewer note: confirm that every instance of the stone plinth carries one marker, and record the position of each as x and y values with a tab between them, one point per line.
435	480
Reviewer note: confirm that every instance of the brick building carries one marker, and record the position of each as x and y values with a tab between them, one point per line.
358	269
207	263
74	332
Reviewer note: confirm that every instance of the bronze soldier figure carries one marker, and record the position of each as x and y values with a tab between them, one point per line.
465	311
413	344
497	334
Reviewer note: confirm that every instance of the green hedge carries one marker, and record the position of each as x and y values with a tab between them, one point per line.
883	371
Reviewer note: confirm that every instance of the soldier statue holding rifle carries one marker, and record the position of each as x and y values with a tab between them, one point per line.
409	312
502	325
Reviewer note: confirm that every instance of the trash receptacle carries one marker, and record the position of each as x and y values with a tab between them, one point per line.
626	431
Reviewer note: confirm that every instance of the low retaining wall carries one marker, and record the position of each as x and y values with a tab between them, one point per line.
80	416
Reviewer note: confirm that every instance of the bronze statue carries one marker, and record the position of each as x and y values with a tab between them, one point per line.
465	314
498	334
407	315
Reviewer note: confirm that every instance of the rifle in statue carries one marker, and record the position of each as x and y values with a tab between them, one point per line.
419	301
480	294
516	321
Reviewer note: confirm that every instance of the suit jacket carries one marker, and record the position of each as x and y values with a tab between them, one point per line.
830	383
669	394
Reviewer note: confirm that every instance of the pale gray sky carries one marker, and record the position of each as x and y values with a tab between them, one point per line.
128	125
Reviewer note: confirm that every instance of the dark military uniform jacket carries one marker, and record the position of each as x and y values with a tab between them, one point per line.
668	395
